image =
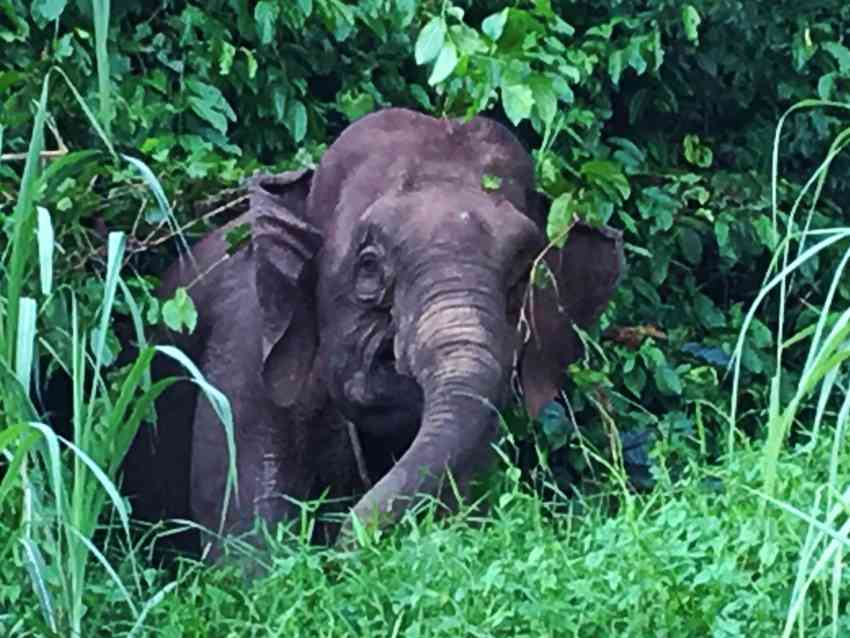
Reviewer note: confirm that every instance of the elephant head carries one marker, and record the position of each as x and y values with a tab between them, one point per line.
396	278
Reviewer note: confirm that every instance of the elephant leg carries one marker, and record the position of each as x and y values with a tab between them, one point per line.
274	462
156	468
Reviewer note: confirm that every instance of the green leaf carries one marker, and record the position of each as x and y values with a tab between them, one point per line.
606	174
635	380
225	59
179	311
237	237
557	427
690	244
296	120
210	105
545	99
306	7
560	219
708	314
252	63
265	14
490	182
206	112
765	232
841	54
603	31
667	380
494	25
615	66
48	9
279	98
421	96
696	152
636	60
659	206
826	86
430	41
691	21
355	106
517	99
446	63
721	234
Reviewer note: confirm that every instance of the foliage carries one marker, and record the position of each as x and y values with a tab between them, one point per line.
56	489
689	561
655	117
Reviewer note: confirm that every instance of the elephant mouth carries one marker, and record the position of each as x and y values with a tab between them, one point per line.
384	357
381	398
383	380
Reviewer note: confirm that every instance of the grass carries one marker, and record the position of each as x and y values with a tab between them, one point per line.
691	561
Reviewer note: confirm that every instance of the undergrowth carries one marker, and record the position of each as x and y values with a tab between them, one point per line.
690	559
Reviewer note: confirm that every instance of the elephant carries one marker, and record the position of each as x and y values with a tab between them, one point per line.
368	331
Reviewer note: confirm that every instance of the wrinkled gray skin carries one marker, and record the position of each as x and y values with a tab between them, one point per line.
384	289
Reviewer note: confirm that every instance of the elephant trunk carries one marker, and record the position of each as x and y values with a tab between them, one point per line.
459	349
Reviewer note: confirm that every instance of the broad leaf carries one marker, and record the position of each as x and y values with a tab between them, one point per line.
430	41
266	13
517	99
446	63
691	20
179	311
494	25
48	9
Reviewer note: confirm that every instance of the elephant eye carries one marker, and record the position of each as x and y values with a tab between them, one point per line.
369	281
369	266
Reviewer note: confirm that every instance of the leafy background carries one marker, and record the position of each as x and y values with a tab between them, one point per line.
654	117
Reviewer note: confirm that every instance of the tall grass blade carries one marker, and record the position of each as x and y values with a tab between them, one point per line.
23	224
14	462
152	602
159	194
221	406
45	251
34	562
142	407
25	347
16	399
115	255
97	472
102	134
101	36
94	551
832	237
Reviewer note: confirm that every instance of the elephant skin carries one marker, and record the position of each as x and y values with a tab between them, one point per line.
380	294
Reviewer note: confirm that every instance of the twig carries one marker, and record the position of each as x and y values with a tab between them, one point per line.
214	201
45	155
12	157
149	242
358	454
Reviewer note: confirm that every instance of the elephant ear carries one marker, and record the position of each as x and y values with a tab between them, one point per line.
284	246
584	275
